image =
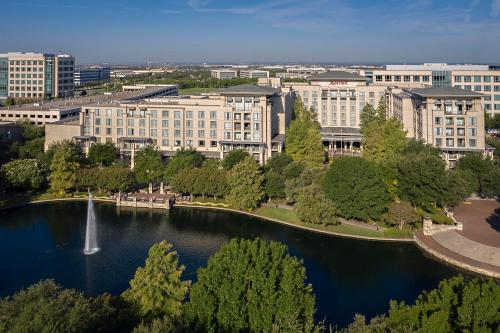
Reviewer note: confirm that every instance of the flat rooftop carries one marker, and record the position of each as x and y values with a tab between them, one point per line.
443	92
76	102
337	75
437	67
248	89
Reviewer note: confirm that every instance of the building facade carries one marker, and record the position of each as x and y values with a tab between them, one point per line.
254	74
45	112
250	117
92	75
338	97
224	73
36	75
477	78
450	119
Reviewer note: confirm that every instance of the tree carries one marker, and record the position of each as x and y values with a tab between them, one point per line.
248	286
478	166
184	158
356	187
491	183
312	206
274	185
401	214
103	154
277	163
75	149
294	185
420	147
47	307
245	184
32	149
63	169
422	180
148	166
303	142
234	157
455	306
26	173
157	289
384	139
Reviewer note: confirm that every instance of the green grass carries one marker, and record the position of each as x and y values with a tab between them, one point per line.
195	91
21	198
287	215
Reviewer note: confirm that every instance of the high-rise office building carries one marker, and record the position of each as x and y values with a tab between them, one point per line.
36	75
94	75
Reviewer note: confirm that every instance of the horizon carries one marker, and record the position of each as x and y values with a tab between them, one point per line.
275	31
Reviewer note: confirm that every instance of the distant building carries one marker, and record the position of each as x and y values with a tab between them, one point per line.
449	118
224	73
91	75
42	113
36	75
254	74
250	117
478	78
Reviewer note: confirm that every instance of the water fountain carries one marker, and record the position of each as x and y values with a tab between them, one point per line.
91	230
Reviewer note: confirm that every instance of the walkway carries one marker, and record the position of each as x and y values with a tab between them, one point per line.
477	246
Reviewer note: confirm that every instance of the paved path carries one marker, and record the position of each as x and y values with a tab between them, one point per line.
477	246
456	242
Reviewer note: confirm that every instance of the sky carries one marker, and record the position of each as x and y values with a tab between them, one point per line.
270	31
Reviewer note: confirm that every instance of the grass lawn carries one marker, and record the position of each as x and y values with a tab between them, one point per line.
290	216
195	91
20	198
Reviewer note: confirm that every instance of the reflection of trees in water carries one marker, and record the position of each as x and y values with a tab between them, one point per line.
64	220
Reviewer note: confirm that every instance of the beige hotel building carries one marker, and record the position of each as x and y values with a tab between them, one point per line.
251	117
477	78
339	97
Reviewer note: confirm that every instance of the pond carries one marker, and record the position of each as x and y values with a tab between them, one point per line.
348	276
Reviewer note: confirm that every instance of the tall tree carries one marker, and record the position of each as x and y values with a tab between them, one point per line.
356	187
148	166
157	289
63	169
401	214
184	158
245	184
26	174
478	166
383	139
103	154
248	286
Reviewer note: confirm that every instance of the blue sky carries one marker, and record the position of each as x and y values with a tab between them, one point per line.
122	31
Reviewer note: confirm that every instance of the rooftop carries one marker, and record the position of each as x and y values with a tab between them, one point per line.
248	89
443	92
437	67
337	75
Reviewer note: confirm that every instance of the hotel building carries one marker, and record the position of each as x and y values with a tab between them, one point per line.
477	78
448	118
94	75
44	112
36	75
251	117
338	97
224	73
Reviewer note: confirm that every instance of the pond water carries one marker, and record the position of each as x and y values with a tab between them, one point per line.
348	276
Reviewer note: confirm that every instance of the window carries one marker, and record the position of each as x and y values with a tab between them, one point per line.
189	133
154	123
213	134
201	143
407	78
439	131
213	114
227	135
472	121
109	113
213	124
426	78
487	79
177	124
439	142
164	114
450	142
142	122
130	131
256	117
449	121
397	78
142	132
477	88
201	133
201	123
164	123
98	121
177	133
497	107
461	131
460	142
119	131
154	113
189	114
458	78
497	98
416	78
119	113
388	78
108	130
189	123
164	133
477	79
378	78
438	120
177	143
472	131
177	114
227	116
487	88
228	125
472	142
130	122
460	121
108	121
164	142
201	114
449	131
153	132
467	78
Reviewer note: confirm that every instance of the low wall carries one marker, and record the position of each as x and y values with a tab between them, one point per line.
430	228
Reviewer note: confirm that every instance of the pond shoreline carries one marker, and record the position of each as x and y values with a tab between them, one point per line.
439	256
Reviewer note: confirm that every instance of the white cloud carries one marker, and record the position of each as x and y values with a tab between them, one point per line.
495	7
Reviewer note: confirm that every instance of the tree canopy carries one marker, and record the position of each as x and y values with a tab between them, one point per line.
356	187
148	165
234	157
26	173
312	206
63	168
103	154
248	286
245	184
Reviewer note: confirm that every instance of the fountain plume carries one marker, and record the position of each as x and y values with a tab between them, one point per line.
91	229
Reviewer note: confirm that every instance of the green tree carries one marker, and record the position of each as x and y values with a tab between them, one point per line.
274	185
103	154
478	166
46	307
157	289
294	185
26	173
382	140
422	180
63	169
32	149
148	166
303	138
184	158
455	306
401	214
356	187
277	163
248	286
312	206
245	184
490	186
75	149
234	157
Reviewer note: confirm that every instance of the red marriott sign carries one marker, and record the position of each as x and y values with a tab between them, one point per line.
338	83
